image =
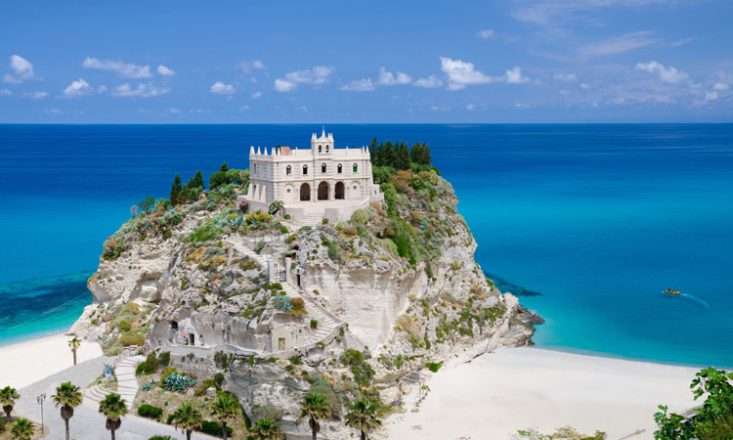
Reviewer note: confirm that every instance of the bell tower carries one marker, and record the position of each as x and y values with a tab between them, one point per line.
323	144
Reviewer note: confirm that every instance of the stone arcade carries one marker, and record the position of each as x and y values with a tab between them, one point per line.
316	183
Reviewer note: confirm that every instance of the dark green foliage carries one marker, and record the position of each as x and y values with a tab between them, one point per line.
390	198
398	155
164	359
382	174
214	428
226	176
161	437
112	249
176	189
420	154
206	232
434	366
404	238
150	411
711	421
149	365
360	368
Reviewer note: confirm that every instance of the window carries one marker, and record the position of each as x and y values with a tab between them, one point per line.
323	168
254	166
339	168
326	148
355	168
288	170
320	148
305	169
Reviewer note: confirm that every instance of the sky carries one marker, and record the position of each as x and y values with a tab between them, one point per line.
244	61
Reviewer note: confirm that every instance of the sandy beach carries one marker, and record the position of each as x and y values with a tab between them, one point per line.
27	362
498	393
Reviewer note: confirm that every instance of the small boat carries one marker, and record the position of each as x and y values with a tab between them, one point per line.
671	292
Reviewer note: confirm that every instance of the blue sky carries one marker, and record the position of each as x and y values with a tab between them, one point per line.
180	61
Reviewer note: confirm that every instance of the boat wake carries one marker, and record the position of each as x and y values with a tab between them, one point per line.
696	300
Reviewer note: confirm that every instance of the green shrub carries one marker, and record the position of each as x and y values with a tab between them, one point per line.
359	217
314	324
112	249
297	307
161	437
164	359
124	325
150	411
149	365
214	428
207	232
434	366
129	339
179	383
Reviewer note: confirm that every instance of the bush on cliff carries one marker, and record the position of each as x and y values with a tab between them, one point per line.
150	411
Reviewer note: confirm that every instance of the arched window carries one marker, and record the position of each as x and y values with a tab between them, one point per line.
305	169
288	170
255	168
320	148
339	168
326	148
355	168
323	168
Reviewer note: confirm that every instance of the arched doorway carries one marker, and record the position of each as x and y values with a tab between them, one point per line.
305	192
323	191
339	191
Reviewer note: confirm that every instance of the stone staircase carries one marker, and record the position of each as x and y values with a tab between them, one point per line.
326	321
127	385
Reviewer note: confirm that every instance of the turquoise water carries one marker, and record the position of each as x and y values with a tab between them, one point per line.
593	221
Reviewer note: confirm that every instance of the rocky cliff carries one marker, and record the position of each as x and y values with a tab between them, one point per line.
352	309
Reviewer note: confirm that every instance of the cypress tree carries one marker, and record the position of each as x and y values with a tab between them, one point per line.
176	190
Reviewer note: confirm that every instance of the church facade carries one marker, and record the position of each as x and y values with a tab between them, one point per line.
323	181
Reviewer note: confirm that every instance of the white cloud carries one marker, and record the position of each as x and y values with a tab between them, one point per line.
359	85
315	76
244	108
514	76
125	70
429	82
256	95
470	107
485	34
720	86
551	12
52	111
567	77
140	91
221	88
249	66
616	45
387	78
283	86
711	96
461	73
666	74
78	88
165	70
5	92
37	95
22	70
175	111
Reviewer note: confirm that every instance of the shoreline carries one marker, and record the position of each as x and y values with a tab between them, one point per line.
32	360
498	393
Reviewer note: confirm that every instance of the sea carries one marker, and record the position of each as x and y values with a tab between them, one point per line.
586	224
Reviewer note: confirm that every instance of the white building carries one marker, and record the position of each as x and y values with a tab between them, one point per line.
314	183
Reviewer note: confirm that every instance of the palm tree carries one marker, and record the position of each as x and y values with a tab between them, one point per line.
114	407
265	429
315	406
187	418
363	415
67	397
8	396
74	344
22	429
225	408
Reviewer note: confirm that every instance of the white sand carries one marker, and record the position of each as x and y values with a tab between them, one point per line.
27	362
498	393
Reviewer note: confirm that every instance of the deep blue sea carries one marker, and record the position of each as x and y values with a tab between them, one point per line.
590	222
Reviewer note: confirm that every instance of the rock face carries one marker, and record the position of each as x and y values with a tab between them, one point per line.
351	310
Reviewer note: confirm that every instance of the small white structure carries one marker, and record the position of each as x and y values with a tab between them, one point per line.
316	183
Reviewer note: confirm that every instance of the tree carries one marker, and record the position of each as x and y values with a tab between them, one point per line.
22	429
68	396
176	189
711	421
113	407
187	418
402	157
265	429
225	408
147	204
197	181
74	344
315	406
363	416
8	396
